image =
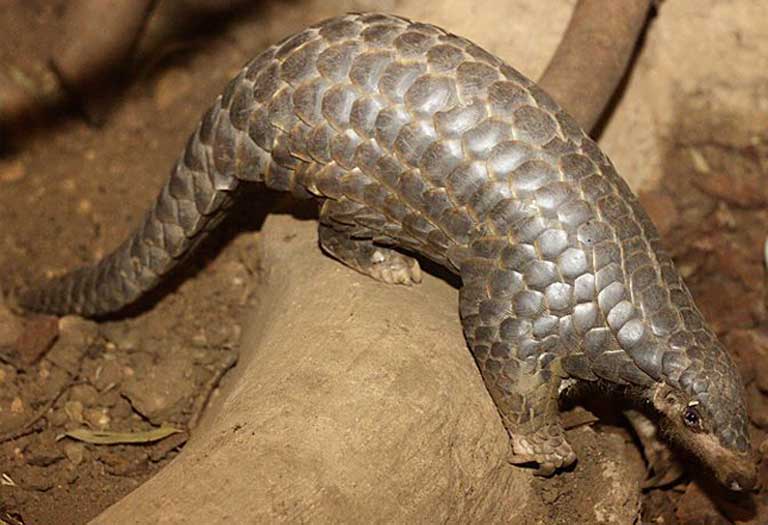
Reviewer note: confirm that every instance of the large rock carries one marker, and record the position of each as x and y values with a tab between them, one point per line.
358	402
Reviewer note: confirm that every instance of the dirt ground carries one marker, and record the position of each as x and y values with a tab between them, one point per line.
696	148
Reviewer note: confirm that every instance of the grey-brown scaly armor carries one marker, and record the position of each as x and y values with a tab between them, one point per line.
412	137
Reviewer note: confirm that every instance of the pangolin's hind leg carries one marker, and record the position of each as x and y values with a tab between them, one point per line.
522	375
381	263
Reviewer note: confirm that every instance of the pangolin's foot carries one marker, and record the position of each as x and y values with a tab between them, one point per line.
382	263
547	447
392	267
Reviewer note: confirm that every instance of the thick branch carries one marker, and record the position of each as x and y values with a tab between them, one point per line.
593	55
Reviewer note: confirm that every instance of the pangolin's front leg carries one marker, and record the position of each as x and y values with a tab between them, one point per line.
523	376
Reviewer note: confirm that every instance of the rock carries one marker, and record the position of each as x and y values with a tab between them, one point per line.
85	394
33	478
74	411
125	462
84	207
76	335
121	410
158	389
108	375
58	418
75	452
97	418
43	452
36	339
17	405
354	401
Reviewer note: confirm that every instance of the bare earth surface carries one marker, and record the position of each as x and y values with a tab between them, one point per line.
689	133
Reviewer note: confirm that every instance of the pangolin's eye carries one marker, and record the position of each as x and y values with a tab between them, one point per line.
691	418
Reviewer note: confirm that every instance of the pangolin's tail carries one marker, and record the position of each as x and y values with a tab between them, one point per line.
217	157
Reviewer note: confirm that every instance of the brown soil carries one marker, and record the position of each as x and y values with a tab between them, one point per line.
69	192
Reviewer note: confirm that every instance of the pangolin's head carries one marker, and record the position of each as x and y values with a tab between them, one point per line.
703	410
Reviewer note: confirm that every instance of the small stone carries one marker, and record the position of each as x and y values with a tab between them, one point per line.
700	163
44	454
69	185
38	335
109	398
121	410
97	417
76	335
70	474
158	390
235	274
108	375
127	462
200	340
724	216
17	405
74	411
85	394
34	478
58	418
84	207
74	452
